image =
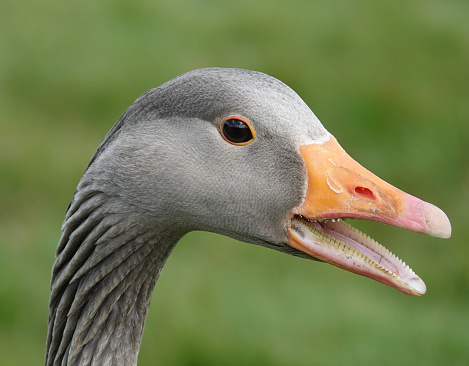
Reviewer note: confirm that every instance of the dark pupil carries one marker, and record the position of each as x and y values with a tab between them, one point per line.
236	131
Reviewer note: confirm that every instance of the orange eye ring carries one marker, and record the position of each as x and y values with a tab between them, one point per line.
237	131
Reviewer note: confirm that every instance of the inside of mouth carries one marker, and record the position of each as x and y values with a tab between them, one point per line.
334	232
341	231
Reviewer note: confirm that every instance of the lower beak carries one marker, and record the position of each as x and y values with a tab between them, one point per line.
338	188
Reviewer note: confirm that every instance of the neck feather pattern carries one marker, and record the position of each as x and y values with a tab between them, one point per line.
107	263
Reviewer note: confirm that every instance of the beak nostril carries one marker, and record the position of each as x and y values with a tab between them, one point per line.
365	192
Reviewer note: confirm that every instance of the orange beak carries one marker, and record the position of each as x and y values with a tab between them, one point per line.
339	187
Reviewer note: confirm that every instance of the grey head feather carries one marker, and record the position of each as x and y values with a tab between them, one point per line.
164	170
211	92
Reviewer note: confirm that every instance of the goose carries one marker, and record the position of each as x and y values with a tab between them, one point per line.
229	151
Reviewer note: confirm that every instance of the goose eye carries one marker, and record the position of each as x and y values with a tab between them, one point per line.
237	131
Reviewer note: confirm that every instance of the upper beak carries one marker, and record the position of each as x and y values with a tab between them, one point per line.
339	187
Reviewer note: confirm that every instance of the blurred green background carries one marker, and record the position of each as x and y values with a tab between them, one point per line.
390	79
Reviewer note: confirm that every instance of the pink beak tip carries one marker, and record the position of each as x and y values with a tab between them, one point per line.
436	222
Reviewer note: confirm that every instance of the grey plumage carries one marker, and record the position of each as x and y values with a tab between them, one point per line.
164	170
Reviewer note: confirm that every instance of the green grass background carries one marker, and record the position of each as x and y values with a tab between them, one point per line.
390	79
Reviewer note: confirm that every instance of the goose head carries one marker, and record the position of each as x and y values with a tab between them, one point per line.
229	151
239	153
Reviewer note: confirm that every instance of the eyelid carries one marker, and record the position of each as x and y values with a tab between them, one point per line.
253	133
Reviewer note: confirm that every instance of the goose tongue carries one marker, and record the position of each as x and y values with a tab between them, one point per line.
339	187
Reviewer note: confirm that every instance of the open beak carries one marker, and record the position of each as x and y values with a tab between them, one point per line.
340	188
